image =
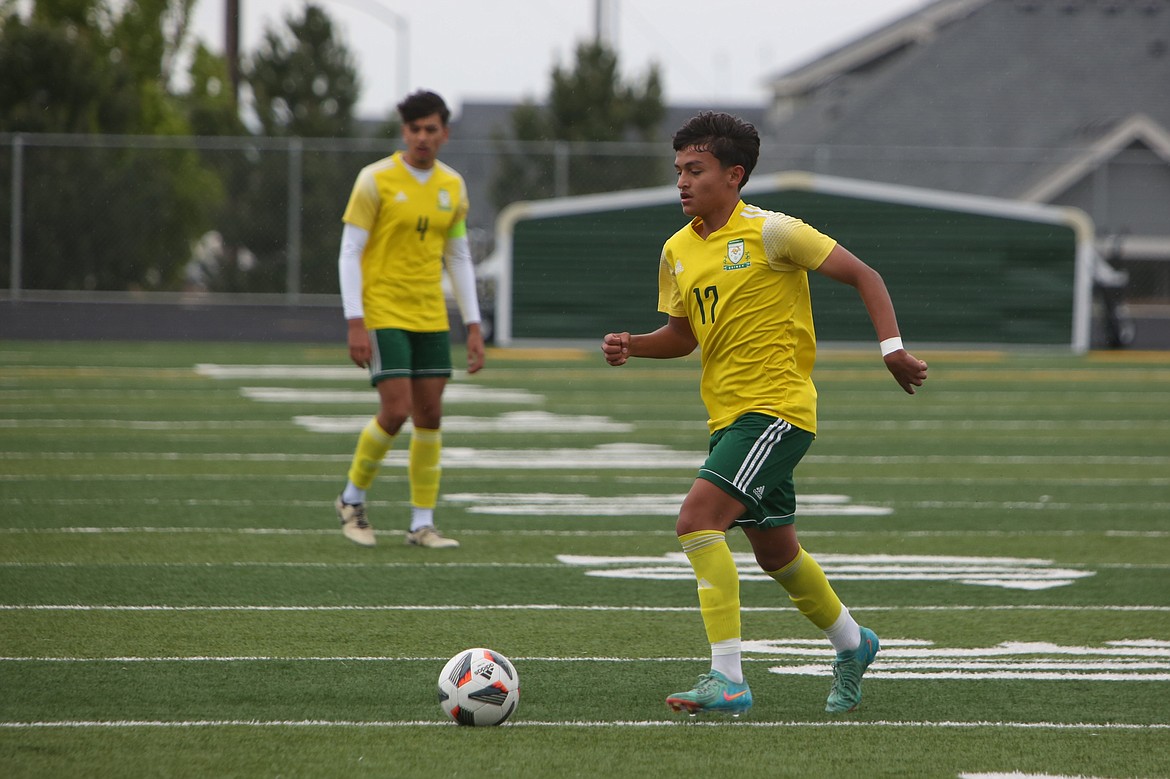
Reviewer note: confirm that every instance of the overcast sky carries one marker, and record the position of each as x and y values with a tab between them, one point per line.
480	50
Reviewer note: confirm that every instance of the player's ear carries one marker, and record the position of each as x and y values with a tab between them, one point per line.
735	175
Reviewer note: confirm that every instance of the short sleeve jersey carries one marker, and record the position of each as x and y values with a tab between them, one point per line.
745	291
409	222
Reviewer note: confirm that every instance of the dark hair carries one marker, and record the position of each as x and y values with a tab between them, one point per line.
423	103
730	140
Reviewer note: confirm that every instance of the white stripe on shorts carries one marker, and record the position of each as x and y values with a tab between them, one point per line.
759	453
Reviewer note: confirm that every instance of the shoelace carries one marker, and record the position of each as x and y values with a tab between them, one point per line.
842	678
706	682
359	517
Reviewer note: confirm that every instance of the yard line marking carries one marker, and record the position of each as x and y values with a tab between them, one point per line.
1115	661
1018	774
285	531
459	393
779	609
348	659
610	506
543	504
1152	481
1006	572
604	456
143	424
898	654
508	422
183	477
672	723
421	564
1001	425
269	564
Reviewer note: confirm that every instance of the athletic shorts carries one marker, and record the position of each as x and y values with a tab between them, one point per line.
402	354
752	460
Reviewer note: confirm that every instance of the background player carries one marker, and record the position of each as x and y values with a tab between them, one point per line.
734	283
405	219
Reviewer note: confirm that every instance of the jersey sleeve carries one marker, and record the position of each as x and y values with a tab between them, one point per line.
362	209
462	207
670	302
790	244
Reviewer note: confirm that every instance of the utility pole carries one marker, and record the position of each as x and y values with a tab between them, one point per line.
231	45
604	24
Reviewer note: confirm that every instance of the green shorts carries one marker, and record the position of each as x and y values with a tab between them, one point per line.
402	354
752	460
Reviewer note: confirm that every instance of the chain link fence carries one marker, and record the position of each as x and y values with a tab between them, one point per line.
135	214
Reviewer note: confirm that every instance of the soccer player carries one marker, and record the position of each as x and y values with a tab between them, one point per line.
734	283
405	220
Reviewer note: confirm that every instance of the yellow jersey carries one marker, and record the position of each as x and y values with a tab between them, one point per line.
409	222
745	291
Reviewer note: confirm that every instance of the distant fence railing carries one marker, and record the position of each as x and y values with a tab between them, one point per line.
263	215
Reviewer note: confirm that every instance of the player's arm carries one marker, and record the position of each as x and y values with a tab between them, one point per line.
841	265
673	339
349	269
461	271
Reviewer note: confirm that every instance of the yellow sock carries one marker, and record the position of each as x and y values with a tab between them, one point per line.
372	446
809	589
718	582
426	448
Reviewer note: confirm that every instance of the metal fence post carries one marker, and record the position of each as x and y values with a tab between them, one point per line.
561	168
296	149
15	280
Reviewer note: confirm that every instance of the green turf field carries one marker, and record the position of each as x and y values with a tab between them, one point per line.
176	600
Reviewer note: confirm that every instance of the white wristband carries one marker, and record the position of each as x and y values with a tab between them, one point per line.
890	345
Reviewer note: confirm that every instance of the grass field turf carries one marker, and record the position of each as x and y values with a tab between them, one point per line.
175	598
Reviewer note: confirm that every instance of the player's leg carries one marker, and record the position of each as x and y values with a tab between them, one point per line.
431	370
779	554
389	373
702	525
810	590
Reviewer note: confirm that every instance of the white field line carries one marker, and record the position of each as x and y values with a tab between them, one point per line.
283	531
781	609
1086	482
389	564
998	425
541	421
674	723
1087	397
606	456
609	507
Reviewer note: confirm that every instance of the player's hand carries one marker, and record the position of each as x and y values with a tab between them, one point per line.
359	343
616	348
908	370
475	350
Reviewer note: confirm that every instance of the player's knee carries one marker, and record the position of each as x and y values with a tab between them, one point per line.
391	420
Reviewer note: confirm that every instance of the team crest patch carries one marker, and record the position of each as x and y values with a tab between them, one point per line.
444	200
737	256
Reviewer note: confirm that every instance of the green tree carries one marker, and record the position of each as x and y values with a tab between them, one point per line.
99	215
304	84
304	81
588	103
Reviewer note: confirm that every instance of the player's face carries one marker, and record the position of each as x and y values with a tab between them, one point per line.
705	187
423	138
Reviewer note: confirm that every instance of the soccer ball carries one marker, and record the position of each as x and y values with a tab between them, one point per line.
479	687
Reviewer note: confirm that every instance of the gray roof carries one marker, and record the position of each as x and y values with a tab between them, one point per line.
983	96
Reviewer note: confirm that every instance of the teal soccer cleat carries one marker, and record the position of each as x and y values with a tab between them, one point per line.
713	693
848	669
